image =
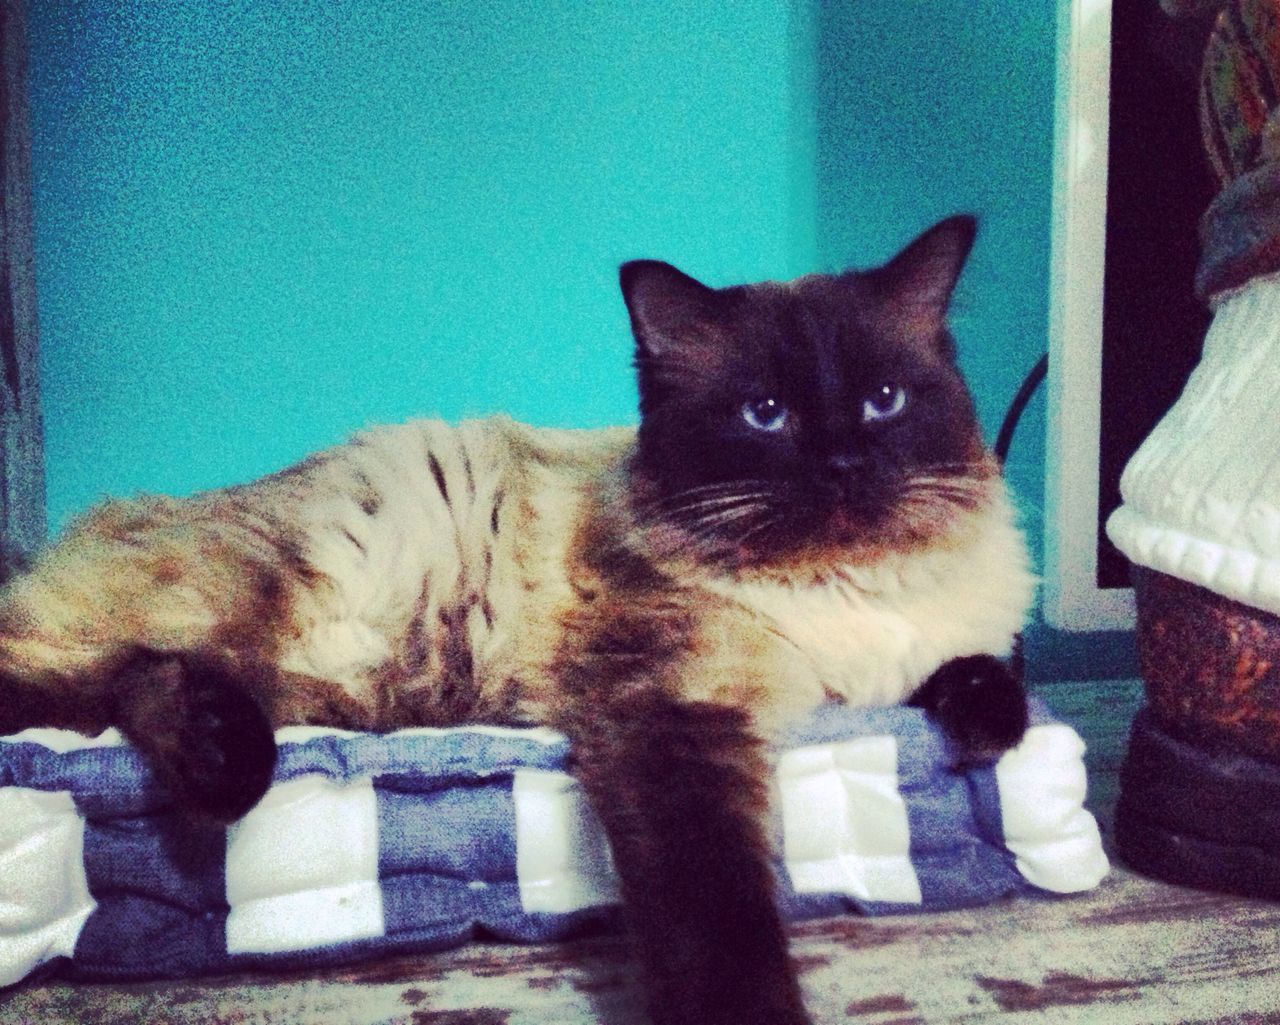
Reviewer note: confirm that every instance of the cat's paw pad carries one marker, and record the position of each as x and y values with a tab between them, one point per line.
979	703
230	747
203	733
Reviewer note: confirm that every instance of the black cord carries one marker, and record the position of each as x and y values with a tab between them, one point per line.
1005	438
1018	661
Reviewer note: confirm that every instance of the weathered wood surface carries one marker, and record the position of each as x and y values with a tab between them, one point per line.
1133	952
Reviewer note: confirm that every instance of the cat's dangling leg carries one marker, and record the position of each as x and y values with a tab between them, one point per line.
666	707
682	792
145	618
979	703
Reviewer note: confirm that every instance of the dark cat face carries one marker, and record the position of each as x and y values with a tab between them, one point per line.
825	412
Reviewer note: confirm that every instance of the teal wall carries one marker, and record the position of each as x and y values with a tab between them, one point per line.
263	225
925	109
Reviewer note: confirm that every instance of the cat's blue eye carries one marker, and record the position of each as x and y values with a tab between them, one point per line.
885	402
765	414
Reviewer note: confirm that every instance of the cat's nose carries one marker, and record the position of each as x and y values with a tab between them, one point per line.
843	464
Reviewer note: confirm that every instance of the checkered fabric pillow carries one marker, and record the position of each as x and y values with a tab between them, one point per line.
424	839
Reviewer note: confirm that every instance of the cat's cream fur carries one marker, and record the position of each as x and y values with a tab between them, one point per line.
369	573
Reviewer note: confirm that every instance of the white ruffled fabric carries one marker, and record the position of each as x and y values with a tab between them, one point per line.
1202	493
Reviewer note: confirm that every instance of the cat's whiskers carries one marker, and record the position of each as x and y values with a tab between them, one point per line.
955	496
975	467
720	527
718	488
767	524
966	491
711	503
724	512
968	482
922	511
723	500
710	517
716	519
953	464
929	493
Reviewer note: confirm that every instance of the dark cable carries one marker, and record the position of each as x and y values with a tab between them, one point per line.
1005	438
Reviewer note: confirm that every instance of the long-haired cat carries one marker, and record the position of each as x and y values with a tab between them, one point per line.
806	513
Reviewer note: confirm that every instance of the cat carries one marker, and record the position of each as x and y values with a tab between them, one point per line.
806	513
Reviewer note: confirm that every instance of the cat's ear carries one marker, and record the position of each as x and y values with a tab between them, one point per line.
670	311
917	284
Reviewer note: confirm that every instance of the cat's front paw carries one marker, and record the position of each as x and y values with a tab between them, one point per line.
979	703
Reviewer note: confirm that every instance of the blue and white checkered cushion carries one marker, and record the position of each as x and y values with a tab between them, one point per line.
424	839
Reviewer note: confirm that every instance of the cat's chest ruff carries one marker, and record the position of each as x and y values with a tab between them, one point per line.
863	646
872	635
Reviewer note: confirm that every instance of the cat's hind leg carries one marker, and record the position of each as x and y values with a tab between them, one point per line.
203	733
157	618
200	729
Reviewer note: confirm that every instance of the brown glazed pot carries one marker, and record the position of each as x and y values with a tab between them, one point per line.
1211	666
